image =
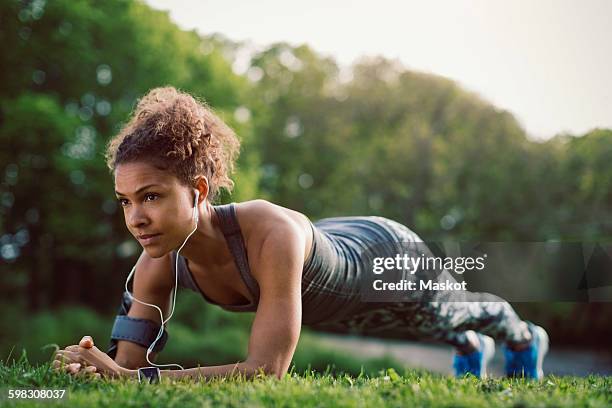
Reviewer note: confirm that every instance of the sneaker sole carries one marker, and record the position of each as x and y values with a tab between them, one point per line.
488	350
542	338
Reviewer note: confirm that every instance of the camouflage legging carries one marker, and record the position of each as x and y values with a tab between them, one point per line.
445	316
444	321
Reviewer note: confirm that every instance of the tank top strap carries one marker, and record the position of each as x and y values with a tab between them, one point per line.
233	235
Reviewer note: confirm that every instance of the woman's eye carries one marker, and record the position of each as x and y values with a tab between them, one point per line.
148	197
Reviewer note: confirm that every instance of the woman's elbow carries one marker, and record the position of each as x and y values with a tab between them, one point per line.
272	369
132	356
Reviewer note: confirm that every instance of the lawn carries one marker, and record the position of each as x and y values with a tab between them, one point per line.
308	389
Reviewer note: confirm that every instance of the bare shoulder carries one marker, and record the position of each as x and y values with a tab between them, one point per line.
260	215
261	220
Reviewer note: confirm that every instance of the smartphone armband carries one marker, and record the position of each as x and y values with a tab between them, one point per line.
135	330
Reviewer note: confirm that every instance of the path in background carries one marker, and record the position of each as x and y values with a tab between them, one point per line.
438	358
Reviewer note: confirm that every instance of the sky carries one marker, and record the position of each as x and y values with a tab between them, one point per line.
543	60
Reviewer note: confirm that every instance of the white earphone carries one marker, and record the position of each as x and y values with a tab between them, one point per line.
196	213
196	218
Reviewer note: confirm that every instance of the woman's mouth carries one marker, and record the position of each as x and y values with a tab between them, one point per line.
148	239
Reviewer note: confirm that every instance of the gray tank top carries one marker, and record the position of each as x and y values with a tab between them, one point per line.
332	272
233	236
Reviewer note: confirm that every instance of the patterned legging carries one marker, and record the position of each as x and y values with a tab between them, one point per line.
441	320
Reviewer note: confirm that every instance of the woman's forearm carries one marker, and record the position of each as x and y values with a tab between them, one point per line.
245	368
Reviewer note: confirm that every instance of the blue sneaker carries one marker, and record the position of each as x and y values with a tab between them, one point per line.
528	363
476	362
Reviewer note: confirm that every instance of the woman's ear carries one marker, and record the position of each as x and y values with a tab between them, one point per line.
203	187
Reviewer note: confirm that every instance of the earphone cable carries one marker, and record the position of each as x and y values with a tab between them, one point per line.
174	290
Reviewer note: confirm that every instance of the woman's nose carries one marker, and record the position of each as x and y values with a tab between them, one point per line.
137	217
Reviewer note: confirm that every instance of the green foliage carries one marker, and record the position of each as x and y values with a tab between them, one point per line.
418	149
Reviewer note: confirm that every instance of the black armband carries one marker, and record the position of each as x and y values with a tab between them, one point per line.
135	330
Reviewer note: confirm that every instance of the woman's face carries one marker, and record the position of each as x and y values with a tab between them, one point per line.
158	209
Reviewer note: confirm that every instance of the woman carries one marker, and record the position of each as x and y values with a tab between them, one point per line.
171	159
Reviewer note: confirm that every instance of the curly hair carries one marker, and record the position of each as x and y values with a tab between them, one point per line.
175	132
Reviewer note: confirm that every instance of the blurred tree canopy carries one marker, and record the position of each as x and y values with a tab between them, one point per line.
372	139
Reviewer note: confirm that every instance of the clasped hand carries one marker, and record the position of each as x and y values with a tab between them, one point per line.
85	360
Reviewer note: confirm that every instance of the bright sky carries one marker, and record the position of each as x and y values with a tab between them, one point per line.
546	61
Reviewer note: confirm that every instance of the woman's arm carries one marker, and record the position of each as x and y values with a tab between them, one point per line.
153	282
277	324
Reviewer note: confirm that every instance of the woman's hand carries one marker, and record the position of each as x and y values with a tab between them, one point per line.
86	359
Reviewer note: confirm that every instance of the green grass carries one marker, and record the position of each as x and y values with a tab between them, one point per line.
319	376
308	389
